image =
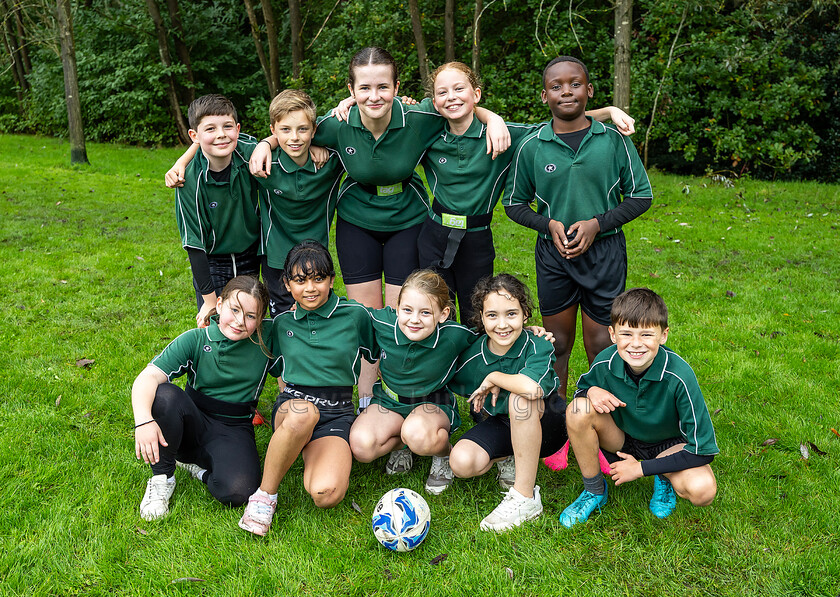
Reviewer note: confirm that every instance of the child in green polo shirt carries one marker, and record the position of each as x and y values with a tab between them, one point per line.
586	180
217	206
319	345
206	427
640	402
512	367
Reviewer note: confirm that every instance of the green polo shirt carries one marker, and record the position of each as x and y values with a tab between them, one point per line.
299	202
571	186
323	347
463	178
373	165
416	369
218	217
232	371
667	402
529	355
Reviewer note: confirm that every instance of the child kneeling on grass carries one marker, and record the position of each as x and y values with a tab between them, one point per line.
207	425
641	402
526	414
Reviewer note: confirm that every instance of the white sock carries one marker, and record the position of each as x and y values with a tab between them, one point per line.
171	480
271	496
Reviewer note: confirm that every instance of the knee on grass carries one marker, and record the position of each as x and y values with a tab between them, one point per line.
699	489
327	495
233	492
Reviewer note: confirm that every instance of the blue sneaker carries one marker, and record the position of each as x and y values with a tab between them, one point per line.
582	507
664	500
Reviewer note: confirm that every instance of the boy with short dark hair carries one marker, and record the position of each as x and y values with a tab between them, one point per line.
641	404
576	170
217	206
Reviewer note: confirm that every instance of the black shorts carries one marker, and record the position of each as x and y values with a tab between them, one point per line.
335	408
642	450
473	261
225	267
365	254
279	298
493	434
592	280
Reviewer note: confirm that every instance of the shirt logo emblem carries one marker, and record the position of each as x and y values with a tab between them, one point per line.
214	205
278	192
290	333
442	160
550	168
207	348
350	150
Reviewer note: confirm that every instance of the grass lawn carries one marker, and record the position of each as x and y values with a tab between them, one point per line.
91	268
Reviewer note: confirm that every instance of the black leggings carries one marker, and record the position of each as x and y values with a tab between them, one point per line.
227	450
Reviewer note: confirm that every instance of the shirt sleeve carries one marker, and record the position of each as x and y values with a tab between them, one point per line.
695	422
539	365
679	461
326	131
200	266
634	179
188	209
179	355
246	145
521	186
629	209
426	122
367	336
524	215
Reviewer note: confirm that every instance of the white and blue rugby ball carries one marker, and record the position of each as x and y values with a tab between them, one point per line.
401	519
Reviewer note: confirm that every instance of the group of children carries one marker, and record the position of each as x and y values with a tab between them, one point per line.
405	354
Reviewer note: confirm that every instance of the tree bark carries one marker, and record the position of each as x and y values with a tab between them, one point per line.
13	44
623	12
166	61
181	47
476	45
22	47
273	47
78	152
296	38
255	33
449	30
419	41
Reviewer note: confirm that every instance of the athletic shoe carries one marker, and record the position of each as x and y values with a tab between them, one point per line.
258	514
664	499
440	475
507	472
513	511
582	507
193	469
400	461
155	502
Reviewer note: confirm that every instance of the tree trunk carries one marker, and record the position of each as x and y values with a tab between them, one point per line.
166	61
621	79
297	41
78	153
255	33
449	30
13	45
419	41
22	47
273	47
181	47
476	45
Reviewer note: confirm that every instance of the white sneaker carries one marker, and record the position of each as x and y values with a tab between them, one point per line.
440	475
400	461
193	469
507	472
155	502
513	511
258	514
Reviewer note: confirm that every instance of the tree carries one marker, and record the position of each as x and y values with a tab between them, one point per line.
181	48
419	40
15	45
255	33
273	48
449	30
64	19
623	12
297	40
166	61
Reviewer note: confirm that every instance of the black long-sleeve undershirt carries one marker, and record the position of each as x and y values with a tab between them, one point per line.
200	270
629	209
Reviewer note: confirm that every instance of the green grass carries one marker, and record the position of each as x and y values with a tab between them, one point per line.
91	267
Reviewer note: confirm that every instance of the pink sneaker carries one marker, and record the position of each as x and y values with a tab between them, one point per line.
258	514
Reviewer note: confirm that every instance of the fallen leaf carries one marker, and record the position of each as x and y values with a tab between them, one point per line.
438	559
509	573
187	579
58	400
717	411
88	414
388	574
730	294
138	258
834	431
141	531
652	275
816	449
86	363
803	449
770	442
357	507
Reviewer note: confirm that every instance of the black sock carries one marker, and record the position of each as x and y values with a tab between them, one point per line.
595	484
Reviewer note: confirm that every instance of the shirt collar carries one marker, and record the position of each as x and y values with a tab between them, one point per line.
236	162
546	133
475	130
212	331
429	341
515	351
325	310
397	116
290	166
656	371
